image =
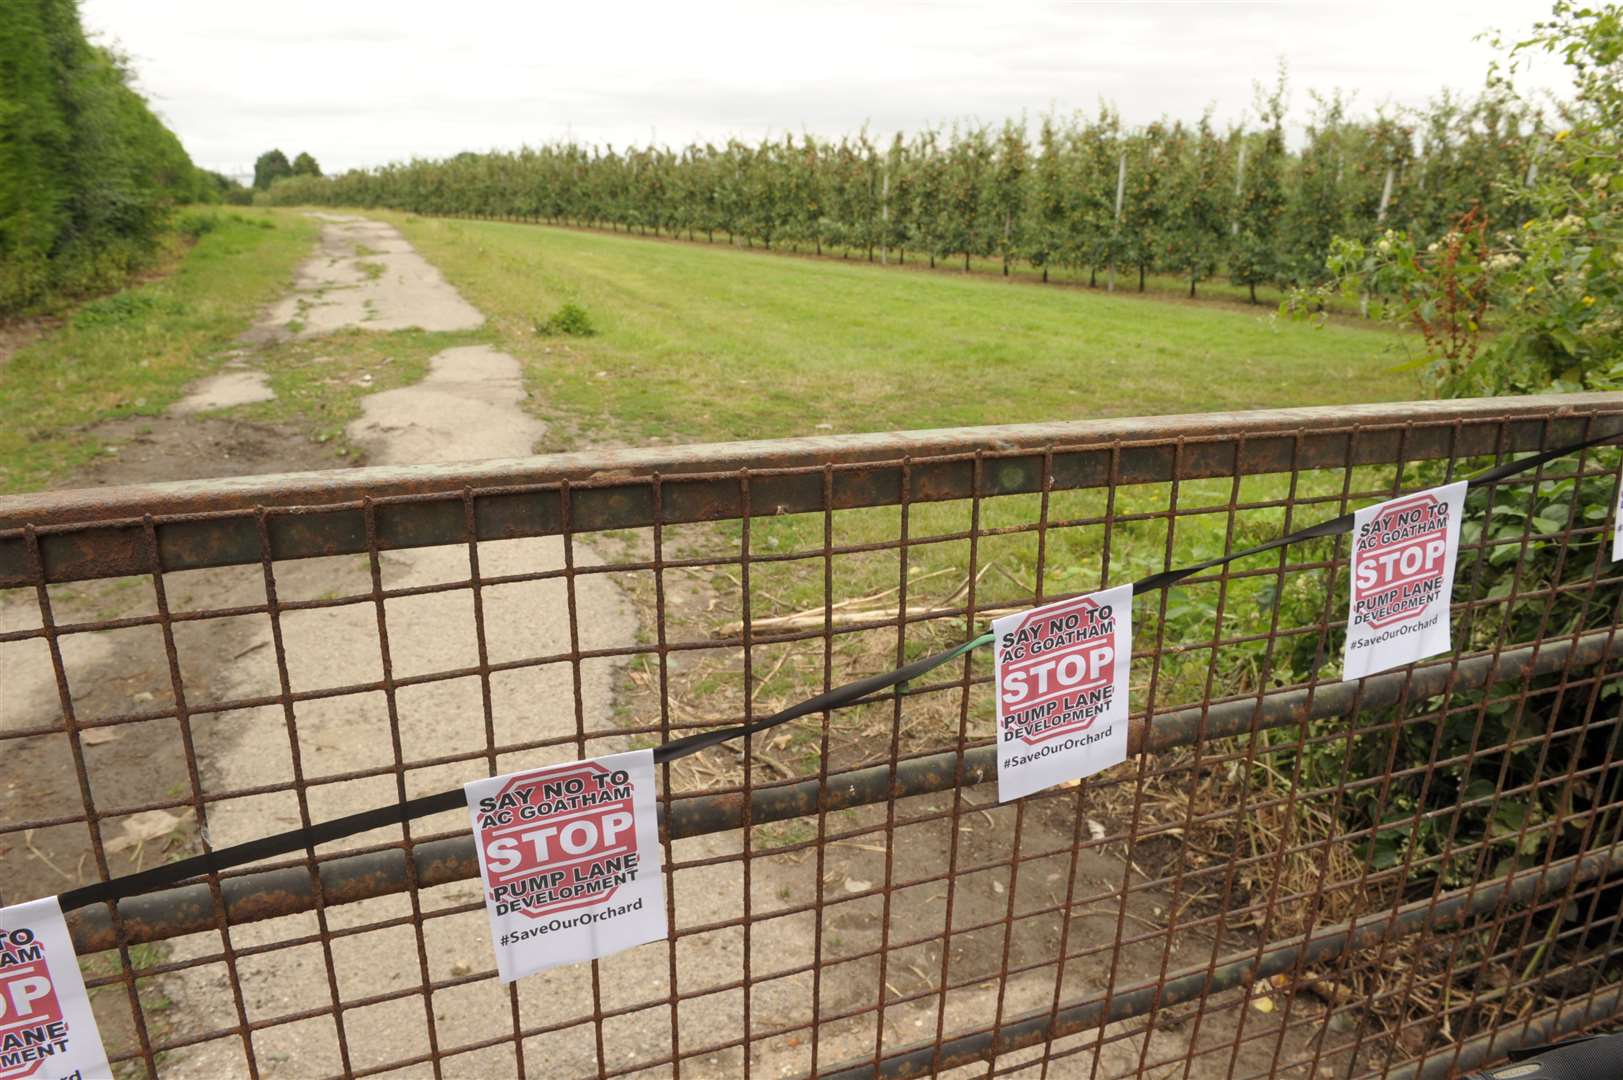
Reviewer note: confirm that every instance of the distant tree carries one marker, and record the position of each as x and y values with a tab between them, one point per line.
305	165
930	185
1045	230
1153	157
271	165
896	211
965	197
1007	195
1317	205
1197	218
1256	257
1095	162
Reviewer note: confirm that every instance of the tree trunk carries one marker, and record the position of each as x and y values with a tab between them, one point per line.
1140	277
1093	277
1253	292
1191	286
966	262
932	260
1045	275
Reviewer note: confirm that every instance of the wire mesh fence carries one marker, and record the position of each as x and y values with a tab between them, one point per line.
1292	875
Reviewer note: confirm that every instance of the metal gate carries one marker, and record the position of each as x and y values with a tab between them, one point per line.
1404	875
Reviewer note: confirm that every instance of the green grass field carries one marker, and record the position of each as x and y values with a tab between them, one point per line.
702	342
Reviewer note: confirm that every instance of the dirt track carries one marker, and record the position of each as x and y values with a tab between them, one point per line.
468	407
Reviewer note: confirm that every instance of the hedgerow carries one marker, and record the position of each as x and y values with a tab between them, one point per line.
87	173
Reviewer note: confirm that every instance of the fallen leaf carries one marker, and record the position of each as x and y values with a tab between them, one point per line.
855	885
147	825
1096	829
1263	1004
98	736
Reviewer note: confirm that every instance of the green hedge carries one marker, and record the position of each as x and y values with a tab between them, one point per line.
87	173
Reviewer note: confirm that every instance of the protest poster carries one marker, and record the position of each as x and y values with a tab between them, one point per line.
1060	673
570	858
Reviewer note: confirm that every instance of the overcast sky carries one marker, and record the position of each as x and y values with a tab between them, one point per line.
361	83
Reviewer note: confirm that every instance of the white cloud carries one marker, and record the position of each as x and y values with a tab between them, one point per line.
364	83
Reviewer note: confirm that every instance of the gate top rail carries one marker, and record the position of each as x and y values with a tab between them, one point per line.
93	533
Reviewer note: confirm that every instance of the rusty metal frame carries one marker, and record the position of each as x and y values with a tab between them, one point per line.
351	879
420	506
151	531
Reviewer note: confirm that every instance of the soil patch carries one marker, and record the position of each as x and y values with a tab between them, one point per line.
225	390
152	449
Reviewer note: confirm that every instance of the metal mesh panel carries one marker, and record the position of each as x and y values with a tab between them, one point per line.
1291	876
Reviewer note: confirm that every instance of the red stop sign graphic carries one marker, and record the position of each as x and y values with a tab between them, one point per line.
563	843
1059	674
30	1017
1403	564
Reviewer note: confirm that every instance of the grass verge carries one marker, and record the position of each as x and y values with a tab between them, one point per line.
133	352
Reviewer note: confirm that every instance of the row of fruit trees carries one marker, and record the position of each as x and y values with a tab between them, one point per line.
1083	194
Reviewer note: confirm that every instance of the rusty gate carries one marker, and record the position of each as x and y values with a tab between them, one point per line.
1405	875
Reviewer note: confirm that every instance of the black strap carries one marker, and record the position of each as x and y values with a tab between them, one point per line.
220	859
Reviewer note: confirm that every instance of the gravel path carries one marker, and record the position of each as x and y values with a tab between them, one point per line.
467	408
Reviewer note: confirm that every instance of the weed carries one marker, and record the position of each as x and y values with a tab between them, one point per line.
194	223
122	308
570	319
786	834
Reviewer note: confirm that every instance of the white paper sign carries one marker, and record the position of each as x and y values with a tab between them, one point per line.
1402	580
47	1030
1061	677
570	859
1617	524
